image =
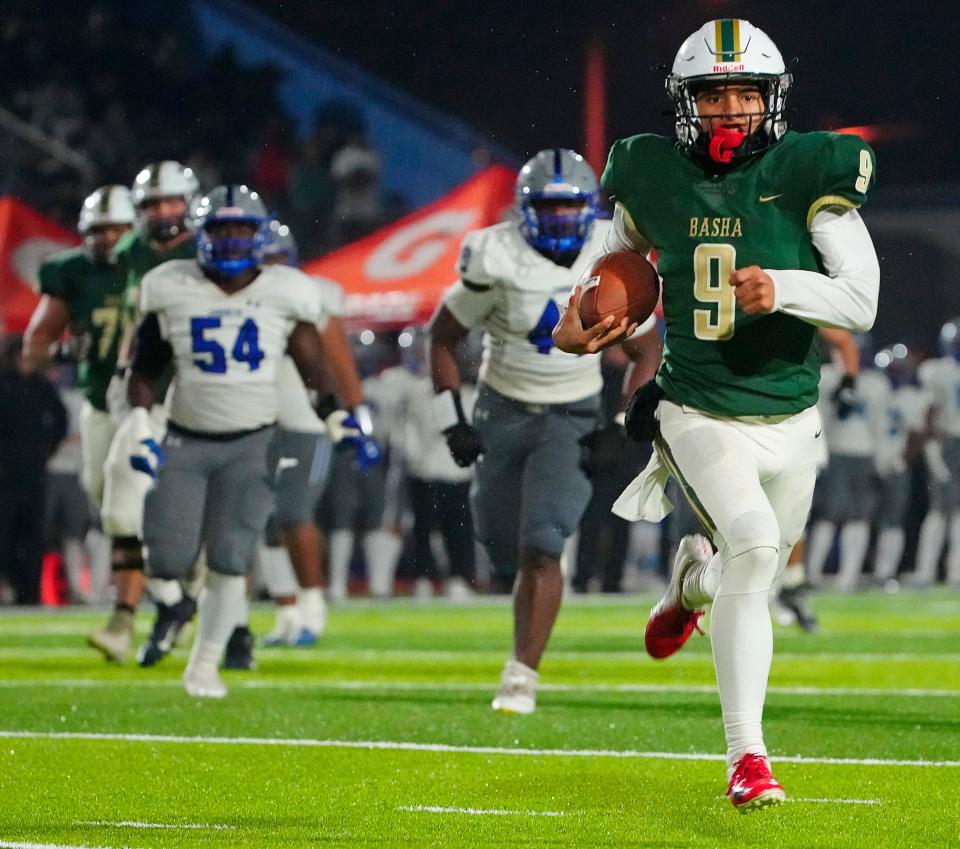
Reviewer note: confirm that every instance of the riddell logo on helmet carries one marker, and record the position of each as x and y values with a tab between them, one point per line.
728	68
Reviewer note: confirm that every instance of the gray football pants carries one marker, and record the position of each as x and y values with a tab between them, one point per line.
215	493
529	489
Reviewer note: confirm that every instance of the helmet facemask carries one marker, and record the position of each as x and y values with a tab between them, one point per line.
555	224
166	228
223	251
766	128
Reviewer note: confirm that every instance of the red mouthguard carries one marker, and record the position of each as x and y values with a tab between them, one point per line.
723	142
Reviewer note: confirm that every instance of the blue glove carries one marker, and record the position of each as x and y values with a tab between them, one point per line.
149	459
367	449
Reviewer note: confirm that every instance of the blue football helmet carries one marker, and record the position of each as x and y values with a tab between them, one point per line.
230	254
556	174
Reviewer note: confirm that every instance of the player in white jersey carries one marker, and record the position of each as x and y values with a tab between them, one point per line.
854	420
291	560
535	403
224	323
899	443
941	378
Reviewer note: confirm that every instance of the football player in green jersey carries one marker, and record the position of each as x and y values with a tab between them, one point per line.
81	290
758	241
161	195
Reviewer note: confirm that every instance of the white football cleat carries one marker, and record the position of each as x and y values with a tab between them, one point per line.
459	590
203	681
423	589
116	640
288	626
518	689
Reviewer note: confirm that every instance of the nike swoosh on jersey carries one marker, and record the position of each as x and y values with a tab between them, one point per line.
817	434
768	198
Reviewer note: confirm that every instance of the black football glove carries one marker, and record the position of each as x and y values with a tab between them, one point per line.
464	443
463	439
845	397
640	421
601	451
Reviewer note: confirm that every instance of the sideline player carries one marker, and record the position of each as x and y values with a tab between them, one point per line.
535	403
793	602
224	323
161	195
855	416
940	377
759	239
901	444
294	577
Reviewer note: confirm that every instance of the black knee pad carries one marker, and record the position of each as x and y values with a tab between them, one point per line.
126	553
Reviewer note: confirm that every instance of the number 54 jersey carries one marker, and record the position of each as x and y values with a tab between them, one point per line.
704	226
227	348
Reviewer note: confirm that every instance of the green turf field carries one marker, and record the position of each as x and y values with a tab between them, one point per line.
383	736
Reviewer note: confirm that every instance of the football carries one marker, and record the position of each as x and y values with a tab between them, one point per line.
621	283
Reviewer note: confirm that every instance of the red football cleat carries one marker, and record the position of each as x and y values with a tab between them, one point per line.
752	786
670	624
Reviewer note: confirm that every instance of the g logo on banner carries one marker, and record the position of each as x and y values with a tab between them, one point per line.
412	250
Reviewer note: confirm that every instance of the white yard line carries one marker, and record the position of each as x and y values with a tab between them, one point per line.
267	684
175	826
7	844
318	655
478	812
836	801
394	745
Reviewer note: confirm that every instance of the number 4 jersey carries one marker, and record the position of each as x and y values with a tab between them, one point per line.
227	348
517	295
704	226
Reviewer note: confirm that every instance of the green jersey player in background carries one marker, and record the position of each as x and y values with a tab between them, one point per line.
161	194
759	241
81	290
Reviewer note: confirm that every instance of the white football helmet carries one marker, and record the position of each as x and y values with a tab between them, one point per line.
107	206
735	51
167	179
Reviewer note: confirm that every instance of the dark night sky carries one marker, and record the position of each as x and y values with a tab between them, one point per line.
513	70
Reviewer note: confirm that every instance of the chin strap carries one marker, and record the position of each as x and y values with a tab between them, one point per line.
723	143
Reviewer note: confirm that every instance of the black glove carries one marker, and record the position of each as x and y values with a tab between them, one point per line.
602	450
463	439
845	396
640	422
464	443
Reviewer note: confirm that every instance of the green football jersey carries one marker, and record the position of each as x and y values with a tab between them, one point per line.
136	257
92	292
704	226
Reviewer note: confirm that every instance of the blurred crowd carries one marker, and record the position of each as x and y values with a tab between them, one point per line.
884	512
99	79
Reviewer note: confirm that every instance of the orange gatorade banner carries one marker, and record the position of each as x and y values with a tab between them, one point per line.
395	276
26	240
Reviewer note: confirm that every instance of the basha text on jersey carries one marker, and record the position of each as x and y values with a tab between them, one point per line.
728	227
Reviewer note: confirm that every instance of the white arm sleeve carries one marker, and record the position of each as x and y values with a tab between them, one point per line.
846	296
